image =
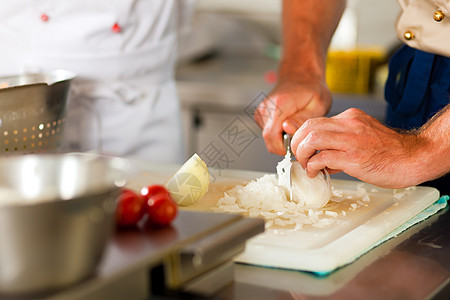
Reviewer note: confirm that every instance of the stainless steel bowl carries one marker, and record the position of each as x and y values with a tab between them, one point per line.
32	111
56	216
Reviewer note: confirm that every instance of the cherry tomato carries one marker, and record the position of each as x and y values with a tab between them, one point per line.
152	190
130	208
161	209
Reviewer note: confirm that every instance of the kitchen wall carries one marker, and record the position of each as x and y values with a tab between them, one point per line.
364	23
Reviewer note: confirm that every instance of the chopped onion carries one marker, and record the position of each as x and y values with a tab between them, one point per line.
267	197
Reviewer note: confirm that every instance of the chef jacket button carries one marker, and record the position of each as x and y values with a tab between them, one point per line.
116	28
408	35
44	17
438	16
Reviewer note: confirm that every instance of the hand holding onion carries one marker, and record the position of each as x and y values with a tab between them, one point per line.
359	145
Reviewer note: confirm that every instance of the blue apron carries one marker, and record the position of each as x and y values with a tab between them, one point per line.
418	86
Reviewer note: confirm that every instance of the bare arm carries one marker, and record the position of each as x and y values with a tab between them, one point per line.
308	26
436	153
301	91
361	146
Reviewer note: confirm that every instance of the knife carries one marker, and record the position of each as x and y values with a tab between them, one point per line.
287	145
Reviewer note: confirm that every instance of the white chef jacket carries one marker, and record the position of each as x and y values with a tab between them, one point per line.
124	100
418	19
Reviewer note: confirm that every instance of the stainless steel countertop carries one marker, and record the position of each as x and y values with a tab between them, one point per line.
413	265
131	255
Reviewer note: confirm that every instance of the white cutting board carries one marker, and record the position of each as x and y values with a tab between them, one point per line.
322	250
319	250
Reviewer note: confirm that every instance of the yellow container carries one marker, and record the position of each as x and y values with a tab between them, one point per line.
352	71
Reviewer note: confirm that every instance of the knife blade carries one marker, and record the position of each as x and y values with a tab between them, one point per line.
287	145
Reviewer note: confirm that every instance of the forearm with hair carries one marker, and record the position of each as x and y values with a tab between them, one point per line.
308	26
436	152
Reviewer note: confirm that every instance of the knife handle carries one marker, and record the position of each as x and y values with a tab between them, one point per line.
287	142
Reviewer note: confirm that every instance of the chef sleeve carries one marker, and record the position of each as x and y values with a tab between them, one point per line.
425	25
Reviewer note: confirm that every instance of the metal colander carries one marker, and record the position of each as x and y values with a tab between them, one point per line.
32	111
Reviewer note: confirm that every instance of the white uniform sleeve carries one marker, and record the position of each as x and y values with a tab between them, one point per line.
425	25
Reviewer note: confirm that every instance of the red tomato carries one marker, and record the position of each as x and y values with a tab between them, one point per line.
153	190
130	208
161	209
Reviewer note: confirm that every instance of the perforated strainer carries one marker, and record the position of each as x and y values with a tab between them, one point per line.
32	111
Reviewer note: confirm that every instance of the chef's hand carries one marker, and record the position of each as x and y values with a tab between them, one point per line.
301	92
289	105
362	147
